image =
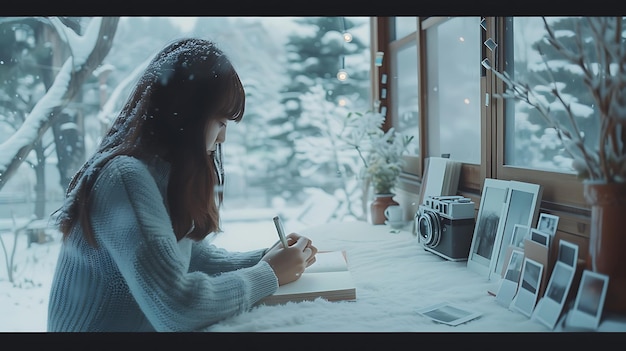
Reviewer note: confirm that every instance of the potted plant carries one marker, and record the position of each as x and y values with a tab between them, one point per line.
602	167
381	153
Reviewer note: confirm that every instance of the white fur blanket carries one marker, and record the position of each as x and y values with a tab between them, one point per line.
395	276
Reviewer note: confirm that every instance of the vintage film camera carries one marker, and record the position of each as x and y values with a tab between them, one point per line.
445	226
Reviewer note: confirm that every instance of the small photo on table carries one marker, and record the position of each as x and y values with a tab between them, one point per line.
448	313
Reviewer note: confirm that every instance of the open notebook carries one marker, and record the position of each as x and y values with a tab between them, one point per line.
328	278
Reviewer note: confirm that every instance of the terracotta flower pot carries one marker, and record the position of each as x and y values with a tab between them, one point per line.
607	239
379	205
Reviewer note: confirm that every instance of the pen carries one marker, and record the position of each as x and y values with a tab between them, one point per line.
281	231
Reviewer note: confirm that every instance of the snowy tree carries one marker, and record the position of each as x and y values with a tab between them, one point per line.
87	50
313	62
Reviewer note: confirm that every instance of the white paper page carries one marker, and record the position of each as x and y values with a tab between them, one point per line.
331	261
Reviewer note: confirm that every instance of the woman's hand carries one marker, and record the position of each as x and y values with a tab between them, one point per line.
289	263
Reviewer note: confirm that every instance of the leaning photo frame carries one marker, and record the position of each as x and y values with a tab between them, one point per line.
492	203
508	285
587	310
550	306
528	290
548	223
521	207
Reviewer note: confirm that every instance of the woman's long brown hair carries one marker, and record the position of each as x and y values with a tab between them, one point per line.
186	84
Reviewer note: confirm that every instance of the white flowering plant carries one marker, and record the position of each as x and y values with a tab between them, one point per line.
380	151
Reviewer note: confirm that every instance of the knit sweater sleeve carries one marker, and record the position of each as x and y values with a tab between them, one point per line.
131	222
210	259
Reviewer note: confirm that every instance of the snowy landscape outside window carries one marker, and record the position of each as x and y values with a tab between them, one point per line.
530	142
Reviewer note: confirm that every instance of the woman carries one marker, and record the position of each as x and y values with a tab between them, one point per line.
135	215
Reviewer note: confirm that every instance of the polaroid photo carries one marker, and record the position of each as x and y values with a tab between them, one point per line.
526	297
548	223
587	310
520	232
540	237
568	253
550	306
448	313
508	285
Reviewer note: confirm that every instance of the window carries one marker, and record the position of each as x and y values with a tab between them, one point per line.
453	89
403	26
404	80
529	141
532	152
396	83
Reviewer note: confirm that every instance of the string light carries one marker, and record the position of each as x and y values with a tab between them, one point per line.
342	75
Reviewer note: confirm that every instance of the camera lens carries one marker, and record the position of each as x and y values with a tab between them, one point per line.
429	228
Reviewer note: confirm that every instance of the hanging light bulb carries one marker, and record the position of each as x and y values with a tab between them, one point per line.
342	75
347	37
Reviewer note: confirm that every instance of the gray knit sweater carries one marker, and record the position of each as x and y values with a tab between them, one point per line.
140	278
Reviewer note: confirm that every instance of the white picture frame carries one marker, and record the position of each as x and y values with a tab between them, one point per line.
521	207
509	284
587	309
492	204
548	223
528	290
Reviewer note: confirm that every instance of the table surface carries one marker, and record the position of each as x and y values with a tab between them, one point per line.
395	277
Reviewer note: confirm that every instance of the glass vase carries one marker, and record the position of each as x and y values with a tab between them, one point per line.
607	239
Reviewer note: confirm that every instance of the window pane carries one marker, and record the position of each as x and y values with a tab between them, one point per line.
404	26
453	69
405	96
529	142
